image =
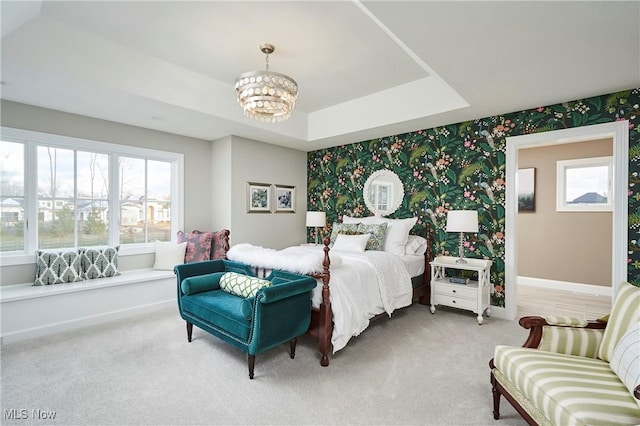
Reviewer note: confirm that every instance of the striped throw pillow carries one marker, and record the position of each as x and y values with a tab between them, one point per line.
625	312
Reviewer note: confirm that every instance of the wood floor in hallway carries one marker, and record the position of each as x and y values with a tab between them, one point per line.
541	301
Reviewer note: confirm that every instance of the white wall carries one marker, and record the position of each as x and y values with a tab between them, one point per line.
254	161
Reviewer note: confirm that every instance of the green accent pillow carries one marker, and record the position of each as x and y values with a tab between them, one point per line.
343	228
242	285
377	231
624	314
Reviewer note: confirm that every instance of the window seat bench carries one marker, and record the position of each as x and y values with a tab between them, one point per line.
29	311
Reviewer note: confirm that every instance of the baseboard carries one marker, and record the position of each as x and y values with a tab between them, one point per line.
564	285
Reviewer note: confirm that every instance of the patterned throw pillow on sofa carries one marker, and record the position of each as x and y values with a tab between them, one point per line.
57	267
198	245
242	285
99	262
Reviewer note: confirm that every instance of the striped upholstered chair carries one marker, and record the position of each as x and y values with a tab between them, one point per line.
574	372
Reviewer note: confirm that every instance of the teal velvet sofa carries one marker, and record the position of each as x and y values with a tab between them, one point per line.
278	312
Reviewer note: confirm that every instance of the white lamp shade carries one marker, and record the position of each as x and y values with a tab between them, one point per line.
316	219
462	221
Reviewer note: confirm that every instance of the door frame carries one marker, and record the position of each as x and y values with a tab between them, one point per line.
619	132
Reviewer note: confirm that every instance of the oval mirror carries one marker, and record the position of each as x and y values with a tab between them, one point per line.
383	192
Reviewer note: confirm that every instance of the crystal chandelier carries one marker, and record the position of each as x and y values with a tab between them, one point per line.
265	95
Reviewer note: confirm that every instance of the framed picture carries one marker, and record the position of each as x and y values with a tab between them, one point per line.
526	179
258	197
285	199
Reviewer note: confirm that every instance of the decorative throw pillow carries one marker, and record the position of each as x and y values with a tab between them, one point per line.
343	228
57	267
242	285
376	241
198	245
168	255
99	263
219	244
625	360
351	242
624	314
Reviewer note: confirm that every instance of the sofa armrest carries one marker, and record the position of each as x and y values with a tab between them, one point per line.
563	335
282	289
200	283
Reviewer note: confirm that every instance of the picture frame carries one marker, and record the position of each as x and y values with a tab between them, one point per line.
285	198
526	179
258	197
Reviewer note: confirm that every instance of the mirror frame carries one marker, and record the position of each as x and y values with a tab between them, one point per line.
398	192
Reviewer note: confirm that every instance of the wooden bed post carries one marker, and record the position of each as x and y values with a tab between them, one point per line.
325	326
426	277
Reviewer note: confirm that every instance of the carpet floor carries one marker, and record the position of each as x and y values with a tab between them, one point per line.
415	368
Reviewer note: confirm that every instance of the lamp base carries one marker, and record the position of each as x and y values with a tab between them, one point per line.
316	231
461	259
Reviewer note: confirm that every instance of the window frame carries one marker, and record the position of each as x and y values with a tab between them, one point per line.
561	184
32	139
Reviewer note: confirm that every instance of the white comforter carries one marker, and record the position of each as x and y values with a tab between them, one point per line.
362	285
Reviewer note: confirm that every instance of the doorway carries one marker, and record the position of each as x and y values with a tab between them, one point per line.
619	132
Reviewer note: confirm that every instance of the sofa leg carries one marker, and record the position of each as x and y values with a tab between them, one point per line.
292	347
189	331
251	359
496	399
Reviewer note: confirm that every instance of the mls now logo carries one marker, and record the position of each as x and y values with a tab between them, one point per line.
23	414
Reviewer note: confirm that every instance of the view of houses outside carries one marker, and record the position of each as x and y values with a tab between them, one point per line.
73	198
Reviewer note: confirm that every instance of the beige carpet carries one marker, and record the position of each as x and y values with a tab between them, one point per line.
416	368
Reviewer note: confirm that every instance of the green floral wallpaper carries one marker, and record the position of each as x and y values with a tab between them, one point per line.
462	166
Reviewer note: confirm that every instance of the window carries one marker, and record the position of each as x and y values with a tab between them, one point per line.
585	184
70	188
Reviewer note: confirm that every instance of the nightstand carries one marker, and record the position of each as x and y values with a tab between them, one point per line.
473	296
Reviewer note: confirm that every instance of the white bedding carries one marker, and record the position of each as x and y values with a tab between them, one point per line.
362	284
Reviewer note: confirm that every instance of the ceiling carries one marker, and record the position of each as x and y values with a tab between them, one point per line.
365	69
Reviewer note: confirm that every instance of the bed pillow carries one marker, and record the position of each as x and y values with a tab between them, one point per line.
198	245
351	242
57	267
369	220
415	245
377	231
343	228
168	255
397	234
625	360
242	285
99	262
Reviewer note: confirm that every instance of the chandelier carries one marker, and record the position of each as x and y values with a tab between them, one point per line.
265	95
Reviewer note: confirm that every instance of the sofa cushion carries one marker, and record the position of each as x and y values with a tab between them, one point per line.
200	283
624	314
571	340
57	267
221	310
99	262
568	389
242	285
625	360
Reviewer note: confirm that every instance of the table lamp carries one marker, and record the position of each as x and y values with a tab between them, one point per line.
462	221
316	219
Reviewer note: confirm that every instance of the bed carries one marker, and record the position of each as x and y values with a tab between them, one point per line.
346	299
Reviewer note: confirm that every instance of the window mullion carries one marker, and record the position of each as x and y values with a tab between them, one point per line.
114	199
31	197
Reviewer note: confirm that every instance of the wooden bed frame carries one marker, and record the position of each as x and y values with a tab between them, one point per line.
322	317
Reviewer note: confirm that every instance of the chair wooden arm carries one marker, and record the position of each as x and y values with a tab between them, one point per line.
535	324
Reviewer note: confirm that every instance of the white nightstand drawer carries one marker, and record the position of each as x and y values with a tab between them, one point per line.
457	290
456	302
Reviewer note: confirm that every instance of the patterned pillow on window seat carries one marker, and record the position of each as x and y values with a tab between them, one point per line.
220	244
99	262
57	267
